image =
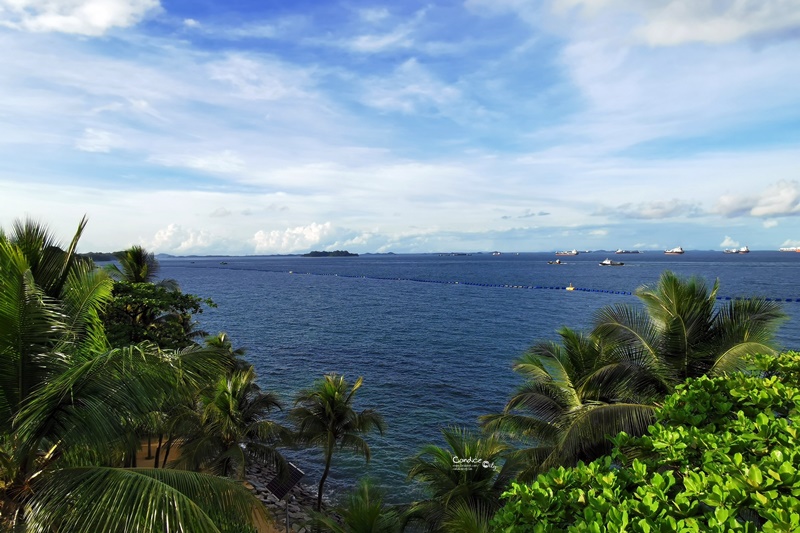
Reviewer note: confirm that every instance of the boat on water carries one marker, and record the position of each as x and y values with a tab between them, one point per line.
556	262
621	251
742	250
790	249
609	262
674	251
568	252
496	253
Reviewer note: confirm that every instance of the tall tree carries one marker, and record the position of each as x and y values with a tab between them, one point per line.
589	387
364	511
232	428
136	265
66	403
574	394
464	480
325	417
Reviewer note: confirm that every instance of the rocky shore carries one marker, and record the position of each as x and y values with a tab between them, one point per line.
301	501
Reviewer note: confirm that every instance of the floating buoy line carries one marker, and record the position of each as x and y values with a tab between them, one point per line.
568	287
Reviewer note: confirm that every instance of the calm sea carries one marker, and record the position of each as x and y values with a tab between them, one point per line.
433	336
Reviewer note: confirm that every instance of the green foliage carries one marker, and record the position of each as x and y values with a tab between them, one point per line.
587	387
67	403
335	253
148	312
364	511
230	428
325	418
722	456
464	480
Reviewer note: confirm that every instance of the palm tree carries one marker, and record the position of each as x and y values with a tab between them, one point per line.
232	429
684	328
222	342
589	387
464	480
363	512
575	393
325	417
67	402
136	265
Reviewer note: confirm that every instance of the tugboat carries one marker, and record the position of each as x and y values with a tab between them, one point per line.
609	262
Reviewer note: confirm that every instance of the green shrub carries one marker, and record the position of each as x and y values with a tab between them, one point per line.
722	456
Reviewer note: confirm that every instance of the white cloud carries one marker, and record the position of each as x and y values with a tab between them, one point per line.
290	240
260	78
177	239
727	242
653	210
598	232
372	15
220	212
779	199
191	23
411	89
225	162
674	22
83	17
769	223
96	141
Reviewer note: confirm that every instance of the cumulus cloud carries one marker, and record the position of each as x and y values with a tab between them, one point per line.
177	239
769	224
82	17
652	210
674	22
598	232
290	240
729	243
780	199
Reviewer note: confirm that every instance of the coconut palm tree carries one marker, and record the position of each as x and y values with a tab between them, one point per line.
574	394
232	429
325	417
687	330
67	402
364	511
589	387
464	480
136	265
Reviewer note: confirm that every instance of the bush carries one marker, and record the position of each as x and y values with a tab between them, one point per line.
722	456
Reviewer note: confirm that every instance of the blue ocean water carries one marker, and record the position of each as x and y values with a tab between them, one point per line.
433	336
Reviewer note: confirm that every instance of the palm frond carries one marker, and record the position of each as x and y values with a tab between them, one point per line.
137	500
591	427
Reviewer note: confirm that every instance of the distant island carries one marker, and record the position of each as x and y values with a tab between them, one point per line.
336	253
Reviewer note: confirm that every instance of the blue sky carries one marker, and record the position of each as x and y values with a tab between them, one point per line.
251	127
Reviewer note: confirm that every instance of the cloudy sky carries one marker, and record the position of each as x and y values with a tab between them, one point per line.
283	126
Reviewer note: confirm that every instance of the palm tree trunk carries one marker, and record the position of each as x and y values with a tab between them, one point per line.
158	449
328	457
166	451
149	446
